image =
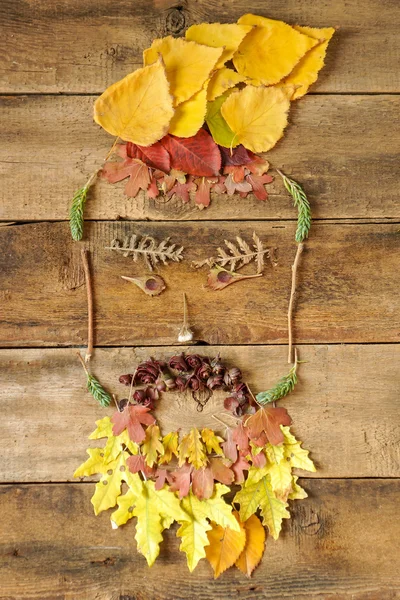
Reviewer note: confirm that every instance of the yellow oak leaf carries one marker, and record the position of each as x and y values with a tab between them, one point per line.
257	116
227	36
271	50
297	493
225	546
124	512
189	115
261	496
115	445
295	454
254	548
194	526
305	73
192	448
103	429
108	489
152	445
280	475
221	132
255	474
274	454
154	509
222	80
94	464
187	65
170	443
137	108
212	441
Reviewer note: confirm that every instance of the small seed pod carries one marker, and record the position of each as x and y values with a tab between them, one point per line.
194	360
231	403
126	379
219	278
122	403
181	383
215	381
168	379
139	396
160	385
235	374
204	372
179	363
147	372
152	285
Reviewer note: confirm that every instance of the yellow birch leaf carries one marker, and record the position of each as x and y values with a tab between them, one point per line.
222	80
227	36
257	116
154	509
221	132
187	65
212	441
305	73
297	493
108	489
271	50
152	445
194	526
261	496
192	448
170	443
103	429
225	547
254	548
189	115
138	108
94	464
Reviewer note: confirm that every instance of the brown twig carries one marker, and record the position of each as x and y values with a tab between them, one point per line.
88	282
300	249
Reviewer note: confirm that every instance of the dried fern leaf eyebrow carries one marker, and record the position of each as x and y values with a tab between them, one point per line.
237	255
148	249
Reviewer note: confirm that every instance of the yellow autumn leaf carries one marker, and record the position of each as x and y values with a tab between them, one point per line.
103	429
187	65
271	50
225	546
194	526
261	496
189	115
137	108
108	489
296	456
305	73
274	454
115	445
255	474
297	493
227	36
192	448
94	464
222	80
170	443
254	547
152	445
124	512
257	116
280	476
212	441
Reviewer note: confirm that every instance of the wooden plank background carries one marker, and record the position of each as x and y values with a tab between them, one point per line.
342	144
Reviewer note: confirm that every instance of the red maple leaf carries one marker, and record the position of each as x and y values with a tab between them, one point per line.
161	476
182	189
138	173
135	463
268	420
132	418
259	460
179	479
241	437
155	156
257	182
238	467
221	471
202	197
152	190
198	155
258	165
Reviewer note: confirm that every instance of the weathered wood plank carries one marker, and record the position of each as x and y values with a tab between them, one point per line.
340	148
344	410
347	289
77	47
341	543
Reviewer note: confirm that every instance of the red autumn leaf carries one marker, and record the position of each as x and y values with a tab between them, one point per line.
135	463
232	186
203	483
268	420
237	172
259	460
132	418
202	197
182	190
221	471
258	165
138	173
229	447
241	437
238	467
155	156
161	477
179	480
219	186
261	440
198	155
153	191
257	182
237	156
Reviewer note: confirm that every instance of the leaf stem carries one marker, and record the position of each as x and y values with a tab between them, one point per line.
295	265
89	291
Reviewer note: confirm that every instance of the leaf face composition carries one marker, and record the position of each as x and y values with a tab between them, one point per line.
124	108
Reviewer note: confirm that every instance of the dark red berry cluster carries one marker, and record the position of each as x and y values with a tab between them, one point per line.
191	372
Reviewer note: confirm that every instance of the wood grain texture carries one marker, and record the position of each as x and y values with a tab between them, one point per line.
347	288
342	149
77	47
340	408
66	552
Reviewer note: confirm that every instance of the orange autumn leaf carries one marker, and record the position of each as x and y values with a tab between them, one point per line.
225	546
254	548
124	108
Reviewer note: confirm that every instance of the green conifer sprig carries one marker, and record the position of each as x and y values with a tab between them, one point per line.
76	213
284	386
302	204
94	386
